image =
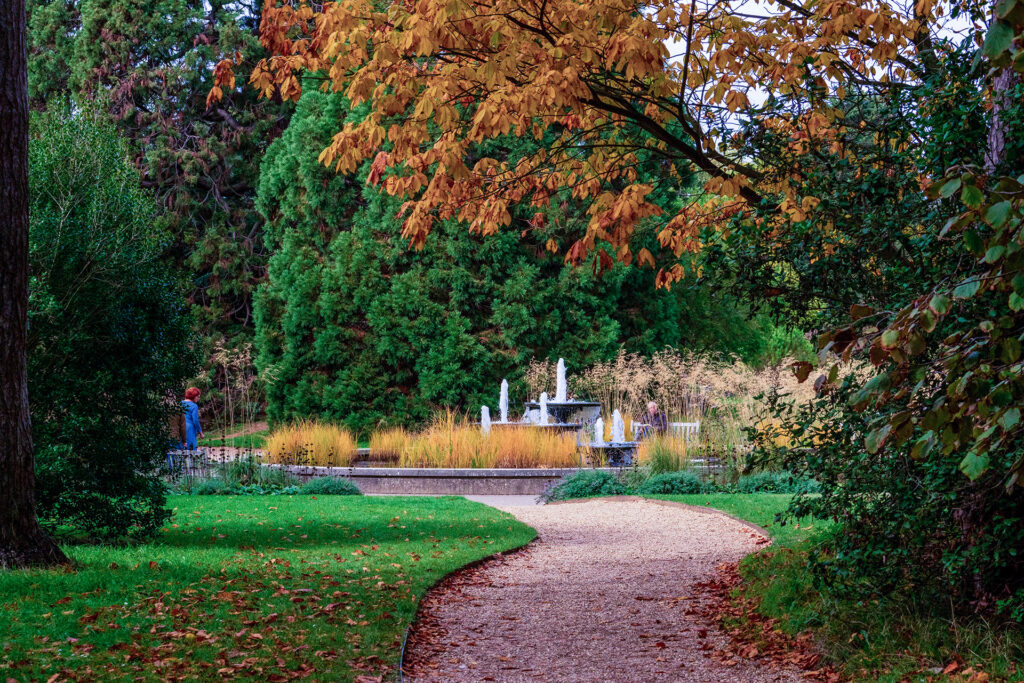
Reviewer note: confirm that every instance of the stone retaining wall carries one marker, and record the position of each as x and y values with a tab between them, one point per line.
458	482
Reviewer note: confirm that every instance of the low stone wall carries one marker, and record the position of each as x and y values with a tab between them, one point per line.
458	482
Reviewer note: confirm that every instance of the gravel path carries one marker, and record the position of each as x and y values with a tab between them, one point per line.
607	593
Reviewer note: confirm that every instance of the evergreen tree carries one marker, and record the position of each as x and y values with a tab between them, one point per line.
148	65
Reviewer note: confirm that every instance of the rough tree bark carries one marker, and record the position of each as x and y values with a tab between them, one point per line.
22	542
999	131
1003	83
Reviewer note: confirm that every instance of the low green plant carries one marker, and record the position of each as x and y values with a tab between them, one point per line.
242	476
210	487
585	484
250	471
644	480
774	482
676	483
330	486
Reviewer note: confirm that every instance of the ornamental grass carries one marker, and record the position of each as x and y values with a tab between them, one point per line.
665	453
311	443
450	441
388	445
726	398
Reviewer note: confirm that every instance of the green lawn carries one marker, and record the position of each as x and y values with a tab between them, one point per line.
254	587
889	638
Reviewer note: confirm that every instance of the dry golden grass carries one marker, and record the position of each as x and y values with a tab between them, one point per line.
667	453
388	445
685	385
722	396
451	442
311	443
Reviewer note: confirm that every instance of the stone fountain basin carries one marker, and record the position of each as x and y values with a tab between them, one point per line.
569	412
616	454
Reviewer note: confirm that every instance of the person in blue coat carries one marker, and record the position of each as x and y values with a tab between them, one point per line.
193	430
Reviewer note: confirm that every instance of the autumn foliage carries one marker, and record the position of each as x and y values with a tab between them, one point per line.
610	79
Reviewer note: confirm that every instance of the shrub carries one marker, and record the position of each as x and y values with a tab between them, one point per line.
330	486
109	333
911	523
311	443
676	483
210	487
585	484
774	482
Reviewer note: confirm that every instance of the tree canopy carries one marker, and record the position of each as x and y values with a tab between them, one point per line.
442	76
147	66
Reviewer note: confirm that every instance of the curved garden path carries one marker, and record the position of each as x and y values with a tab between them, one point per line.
609	592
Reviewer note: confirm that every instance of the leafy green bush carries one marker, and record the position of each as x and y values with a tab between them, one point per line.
210	487
774	482
219	487
676	483
585	484
330	486
109	334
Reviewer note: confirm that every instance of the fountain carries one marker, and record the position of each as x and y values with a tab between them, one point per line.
503	401
566	413
618	452
503	422
485	420
560	384
618	427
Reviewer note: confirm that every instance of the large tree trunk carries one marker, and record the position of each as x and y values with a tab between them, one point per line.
22	542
